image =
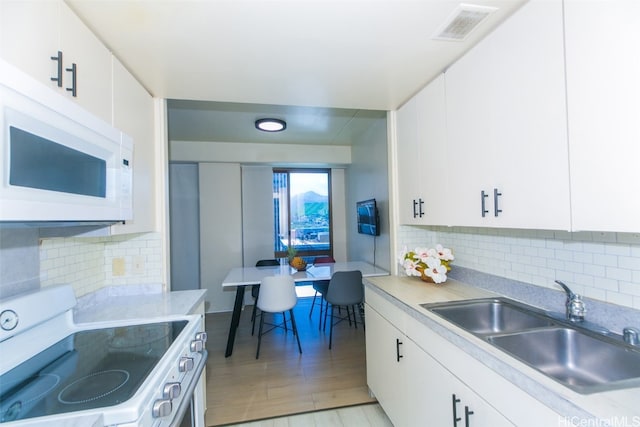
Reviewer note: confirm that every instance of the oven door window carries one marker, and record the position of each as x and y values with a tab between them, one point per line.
43	164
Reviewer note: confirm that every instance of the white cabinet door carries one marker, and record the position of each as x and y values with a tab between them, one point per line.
34	31
408	163
603	88
441	399
422	157
385	372
93	65
29	37
133	113
433	153
506	125
412	388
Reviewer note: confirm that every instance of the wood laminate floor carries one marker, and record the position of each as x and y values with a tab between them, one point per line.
282	381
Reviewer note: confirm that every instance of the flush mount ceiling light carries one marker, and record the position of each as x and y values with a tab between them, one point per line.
271	125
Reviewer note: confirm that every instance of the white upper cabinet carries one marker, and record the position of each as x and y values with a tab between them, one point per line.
34	31
133	114
422	154
506	125
407	148
31	32
29	37
603	87
92	61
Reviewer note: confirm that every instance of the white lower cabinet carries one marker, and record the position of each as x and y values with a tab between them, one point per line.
413	388
444	400
420	378
386	376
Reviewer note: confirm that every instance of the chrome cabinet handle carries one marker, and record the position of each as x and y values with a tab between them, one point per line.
454	403
398	355
496	194
415	212
467	412
58	77
74	72
483	196
421	212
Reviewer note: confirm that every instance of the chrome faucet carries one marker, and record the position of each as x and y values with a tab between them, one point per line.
574	305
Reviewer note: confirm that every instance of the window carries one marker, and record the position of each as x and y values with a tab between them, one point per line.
302	211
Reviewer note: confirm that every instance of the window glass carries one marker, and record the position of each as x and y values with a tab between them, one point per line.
302	211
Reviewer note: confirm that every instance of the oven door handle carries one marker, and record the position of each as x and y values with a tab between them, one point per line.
188	396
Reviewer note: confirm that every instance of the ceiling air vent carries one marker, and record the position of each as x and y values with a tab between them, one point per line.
463	21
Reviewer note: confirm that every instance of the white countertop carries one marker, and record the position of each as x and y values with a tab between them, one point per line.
408	293
135	302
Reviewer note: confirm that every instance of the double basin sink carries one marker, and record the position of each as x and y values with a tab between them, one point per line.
579	358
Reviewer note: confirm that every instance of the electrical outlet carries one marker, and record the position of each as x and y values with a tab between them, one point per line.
138	264
118	267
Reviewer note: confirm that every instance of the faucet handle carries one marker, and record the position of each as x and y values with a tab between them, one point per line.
631	336
576	309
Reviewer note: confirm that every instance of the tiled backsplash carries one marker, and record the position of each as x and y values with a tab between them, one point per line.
602	266
28	262
95	262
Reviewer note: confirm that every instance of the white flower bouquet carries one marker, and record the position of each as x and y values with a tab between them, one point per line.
430	264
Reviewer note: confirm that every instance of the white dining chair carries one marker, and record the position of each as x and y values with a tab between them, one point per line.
255	290
277	295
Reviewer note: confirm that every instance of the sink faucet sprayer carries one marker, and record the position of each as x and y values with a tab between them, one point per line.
574	304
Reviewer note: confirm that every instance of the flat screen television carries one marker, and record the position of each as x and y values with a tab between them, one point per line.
368	221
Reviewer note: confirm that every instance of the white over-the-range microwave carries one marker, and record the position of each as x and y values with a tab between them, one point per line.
58	162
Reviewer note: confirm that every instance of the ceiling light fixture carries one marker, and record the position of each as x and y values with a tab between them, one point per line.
271	125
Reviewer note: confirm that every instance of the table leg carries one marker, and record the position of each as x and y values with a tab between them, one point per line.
235	320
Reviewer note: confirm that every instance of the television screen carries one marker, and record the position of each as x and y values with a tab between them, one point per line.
368	217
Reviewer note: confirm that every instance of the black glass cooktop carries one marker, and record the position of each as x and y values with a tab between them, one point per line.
86	370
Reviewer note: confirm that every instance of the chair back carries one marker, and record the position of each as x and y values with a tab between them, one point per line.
277	294
345	288
267	263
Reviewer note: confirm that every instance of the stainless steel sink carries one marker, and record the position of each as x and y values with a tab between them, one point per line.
489	316
582	362
581	359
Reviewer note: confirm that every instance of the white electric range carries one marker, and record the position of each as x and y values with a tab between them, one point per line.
118	373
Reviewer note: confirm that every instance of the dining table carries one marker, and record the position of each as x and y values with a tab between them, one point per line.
241	277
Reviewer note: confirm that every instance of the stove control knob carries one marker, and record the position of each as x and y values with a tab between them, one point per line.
196	346
185	364
202	336
171	390
161	408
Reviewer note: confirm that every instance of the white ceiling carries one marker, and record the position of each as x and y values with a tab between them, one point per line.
349	55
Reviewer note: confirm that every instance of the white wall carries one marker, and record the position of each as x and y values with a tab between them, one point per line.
220	231
367	177
257	213
247	153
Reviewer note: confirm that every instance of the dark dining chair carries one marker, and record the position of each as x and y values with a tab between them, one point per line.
345	289
320	286
255	289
